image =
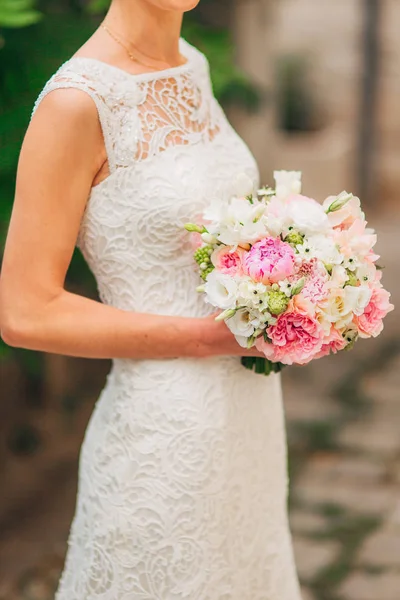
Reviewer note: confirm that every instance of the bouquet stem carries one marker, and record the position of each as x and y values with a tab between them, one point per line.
263	366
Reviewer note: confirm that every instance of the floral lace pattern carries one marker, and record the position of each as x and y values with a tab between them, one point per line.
182	477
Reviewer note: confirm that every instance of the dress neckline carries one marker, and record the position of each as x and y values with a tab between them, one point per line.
185	50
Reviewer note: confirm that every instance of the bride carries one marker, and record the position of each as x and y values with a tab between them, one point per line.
182	475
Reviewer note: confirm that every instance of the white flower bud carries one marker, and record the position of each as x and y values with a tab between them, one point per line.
208	238
339	202
192	227
227	314
287	183
298	286
243	185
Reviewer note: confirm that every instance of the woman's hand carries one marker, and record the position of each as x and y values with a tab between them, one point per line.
219	340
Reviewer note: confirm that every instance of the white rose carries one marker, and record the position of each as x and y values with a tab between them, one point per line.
221	290
336	309
341	307
287	183
357	298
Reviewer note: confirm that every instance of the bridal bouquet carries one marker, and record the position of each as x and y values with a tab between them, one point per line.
294	278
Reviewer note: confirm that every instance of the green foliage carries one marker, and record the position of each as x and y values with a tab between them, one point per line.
18	13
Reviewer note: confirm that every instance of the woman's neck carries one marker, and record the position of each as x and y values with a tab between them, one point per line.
154	31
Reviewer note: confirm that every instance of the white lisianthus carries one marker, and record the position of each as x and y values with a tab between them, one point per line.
240	325
221	290
307	216
287	183
358	298
275	225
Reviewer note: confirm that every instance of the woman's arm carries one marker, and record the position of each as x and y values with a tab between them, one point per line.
62	154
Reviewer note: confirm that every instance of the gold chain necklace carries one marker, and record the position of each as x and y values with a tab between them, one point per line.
138	58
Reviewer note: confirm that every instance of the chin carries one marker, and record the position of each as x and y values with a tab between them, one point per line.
178	5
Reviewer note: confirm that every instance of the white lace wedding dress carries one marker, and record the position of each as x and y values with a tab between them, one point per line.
183	474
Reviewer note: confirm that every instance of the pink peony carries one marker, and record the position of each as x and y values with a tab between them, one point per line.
269	261
333	343
370	322
296	337
228	261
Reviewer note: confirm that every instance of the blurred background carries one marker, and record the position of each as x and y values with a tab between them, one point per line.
311	85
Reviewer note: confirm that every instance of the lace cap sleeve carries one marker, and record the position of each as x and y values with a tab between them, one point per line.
66	77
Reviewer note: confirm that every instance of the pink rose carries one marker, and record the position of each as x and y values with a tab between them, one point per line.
228	261
370	322
269	260
296	337
334	342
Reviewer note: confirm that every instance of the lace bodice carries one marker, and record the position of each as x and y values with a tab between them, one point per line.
171	151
